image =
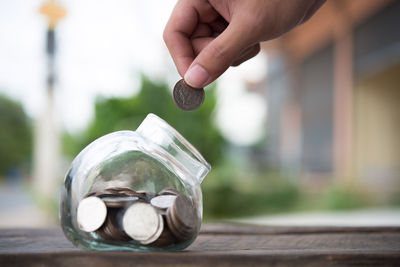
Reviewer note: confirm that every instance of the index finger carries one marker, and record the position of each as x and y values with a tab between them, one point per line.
177	32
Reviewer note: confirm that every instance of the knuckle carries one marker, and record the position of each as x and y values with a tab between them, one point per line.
219	52
166	36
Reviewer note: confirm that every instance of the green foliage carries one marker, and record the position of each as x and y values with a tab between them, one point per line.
113	114
232	192
15	135
343	197
395	199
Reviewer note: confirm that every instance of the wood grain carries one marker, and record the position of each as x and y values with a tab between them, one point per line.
218	245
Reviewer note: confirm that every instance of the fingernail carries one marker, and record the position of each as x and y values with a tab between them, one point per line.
196	76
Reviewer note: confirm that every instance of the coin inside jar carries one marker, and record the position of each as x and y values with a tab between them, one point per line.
156	234
181	218
169	191
184	211
186	97
111	229
114	190
149	218
118	201
145	195
142	222
166	238
163	202
91	214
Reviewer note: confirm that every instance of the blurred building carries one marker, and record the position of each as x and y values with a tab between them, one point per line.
333	93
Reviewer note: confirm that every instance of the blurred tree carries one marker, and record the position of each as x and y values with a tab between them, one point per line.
113	114
235	190
15	136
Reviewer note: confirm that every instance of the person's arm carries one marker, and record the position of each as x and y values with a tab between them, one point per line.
205	37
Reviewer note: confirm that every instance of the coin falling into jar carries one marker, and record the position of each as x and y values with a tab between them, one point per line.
186	97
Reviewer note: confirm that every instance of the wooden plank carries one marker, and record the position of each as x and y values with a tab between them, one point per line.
229	228
240	258
217	245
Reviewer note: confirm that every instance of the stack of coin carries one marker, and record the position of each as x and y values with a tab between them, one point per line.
112	229
182	218
122	214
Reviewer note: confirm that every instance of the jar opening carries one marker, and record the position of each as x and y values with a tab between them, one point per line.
161	133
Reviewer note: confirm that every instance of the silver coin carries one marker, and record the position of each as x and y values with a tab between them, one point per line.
91	214
187	97
163	202
118	201
156	234
141	221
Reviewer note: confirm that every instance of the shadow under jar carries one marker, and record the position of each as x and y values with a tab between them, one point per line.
134	190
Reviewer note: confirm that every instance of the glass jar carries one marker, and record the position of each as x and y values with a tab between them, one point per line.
134	190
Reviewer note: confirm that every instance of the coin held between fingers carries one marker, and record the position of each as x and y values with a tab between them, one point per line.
186	97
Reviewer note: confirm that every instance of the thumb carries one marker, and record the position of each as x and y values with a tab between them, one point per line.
217	56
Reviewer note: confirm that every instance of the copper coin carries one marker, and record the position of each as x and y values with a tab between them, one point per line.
91	194
165	239
172	225
169	191
110	191
186	97
117	190
185	233
112	229
185	212
181	222
127	191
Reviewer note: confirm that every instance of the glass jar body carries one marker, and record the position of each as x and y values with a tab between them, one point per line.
135	180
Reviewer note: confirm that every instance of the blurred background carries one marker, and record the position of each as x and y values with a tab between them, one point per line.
305	133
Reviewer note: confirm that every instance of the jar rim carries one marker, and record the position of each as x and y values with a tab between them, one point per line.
180	138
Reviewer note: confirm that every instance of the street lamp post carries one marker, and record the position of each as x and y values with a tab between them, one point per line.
47	141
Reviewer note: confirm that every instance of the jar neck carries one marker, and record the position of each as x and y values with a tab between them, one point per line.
159	132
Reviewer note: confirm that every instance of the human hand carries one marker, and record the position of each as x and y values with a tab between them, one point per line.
205	37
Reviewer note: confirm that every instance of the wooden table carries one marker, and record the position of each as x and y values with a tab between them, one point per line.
218	245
